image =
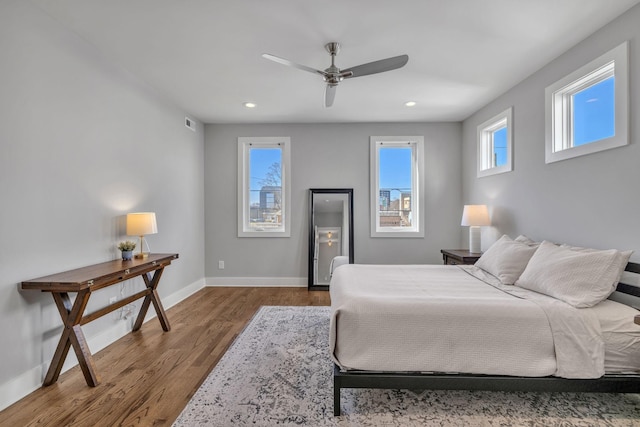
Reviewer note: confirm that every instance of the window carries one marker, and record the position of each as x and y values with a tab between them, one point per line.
397	194
263	188
495	144
587	111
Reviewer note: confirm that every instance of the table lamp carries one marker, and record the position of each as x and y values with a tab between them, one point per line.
141	224
475	216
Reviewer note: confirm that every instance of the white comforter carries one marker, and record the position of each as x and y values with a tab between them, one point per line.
432	318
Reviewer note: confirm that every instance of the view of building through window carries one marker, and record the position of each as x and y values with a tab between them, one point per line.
265	188
395	186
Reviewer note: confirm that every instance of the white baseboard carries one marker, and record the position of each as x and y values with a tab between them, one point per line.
171	300
16	388
274	282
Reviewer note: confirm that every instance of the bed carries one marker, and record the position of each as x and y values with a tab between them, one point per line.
485	327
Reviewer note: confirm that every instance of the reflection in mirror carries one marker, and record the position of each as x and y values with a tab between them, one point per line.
330	233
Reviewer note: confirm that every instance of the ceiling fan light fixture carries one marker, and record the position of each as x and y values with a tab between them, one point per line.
250	105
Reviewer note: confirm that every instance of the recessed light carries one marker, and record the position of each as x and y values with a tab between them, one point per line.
410	103
249	105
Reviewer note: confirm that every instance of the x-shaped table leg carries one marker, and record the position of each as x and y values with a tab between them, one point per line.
72	336
152	297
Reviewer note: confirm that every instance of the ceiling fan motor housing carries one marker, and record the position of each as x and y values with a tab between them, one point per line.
332	76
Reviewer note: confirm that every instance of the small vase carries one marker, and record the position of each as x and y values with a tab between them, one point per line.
127	255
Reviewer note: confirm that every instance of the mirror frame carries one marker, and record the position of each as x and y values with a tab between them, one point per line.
312	192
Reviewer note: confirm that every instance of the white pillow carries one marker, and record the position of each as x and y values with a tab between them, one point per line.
623	260
579	278
506	259
526	240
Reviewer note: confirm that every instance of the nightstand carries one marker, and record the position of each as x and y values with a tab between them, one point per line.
459	256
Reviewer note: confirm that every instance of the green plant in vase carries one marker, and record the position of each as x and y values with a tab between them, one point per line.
127	248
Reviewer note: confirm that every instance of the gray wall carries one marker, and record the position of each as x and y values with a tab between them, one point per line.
327	156
590	200
82	142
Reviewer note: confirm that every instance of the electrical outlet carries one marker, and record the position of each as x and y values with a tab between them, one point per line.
220	265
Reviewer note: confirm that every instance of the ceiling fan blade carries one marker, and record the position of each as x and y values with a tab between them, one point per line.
375	67
329	95
292	64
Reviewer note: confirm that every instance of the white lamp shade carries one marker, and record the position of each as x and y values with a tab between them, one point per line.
141	223
475	215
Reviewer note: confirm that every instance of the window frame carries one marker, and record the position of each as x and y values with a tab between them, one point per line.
559	109
485	146
244	185
417	144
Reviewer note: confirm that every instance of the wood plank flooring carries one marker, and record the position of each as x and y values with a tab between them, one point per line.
147	377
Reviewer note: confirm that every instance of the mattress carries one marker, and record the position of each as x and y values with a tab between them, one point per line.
621	336
432	318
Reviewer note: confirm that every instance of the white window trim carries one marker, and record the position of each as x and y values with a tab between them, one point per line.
485	144
557	109
418	229
244	143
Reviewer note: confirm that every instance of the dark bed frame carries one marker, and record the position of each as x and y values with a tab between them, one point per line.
609	383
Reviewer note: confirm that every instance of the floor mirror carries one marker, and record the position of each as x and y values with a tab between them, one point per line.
330	233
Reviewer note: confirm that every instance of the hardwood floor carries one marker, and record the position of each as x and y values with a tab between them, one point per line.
150	375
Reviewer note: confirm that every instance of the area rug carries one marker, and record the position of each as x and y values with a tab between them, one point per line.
278	372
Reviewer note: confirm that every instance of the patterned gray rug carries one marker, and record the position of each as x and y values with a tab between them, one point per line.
278	372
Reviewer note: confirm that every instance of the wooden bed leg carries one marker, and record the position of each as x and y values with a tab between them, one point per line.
336	392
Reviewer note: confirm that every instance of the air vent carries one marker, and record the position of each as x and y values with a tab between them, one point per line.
190	123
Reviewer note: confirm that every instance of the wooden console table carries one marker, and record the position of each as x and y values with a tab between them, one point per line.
85	280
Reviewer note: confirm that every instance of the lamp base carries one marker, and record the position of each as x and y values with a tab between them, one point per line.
475	245
142	255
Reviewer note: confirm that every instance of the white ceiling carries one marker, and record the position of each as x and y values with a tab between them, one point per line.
205	55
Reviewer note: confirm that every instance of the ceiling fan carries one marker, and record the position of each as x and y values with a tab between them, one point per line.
334	75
